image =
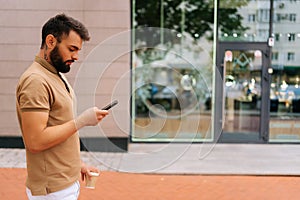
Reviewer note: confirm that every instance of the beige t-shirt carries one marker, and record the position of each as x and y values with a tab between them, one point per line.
40	89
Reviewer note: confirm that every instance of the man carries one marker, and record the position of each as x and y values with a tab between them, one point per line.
46	116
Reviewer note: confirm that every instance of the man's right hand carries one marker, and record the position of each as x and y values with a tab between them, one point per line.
90	117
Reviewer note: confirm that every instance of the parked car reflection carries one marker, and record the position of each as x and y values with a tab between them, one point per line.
287	99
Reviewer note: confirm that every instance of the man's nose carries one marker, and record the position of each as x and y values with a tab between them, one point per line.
75	56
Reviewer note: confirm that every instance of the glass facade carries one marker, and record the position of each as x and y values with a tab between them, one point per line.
172	70
179	89
285	90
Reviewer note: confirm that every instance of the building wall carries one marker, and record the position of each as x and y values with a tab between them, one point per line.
20	30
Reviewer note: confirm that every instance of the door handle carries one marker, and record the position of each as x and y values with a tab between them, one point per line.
266	76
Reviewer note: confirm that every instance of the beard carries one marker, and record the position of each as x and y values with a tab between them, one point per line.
58	62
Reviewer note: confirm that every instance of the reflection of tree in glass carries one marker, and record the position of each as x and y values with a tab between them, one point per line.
195	17
169	31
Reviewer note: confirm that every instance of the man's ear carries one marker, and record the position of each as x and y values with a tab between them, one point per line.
50	41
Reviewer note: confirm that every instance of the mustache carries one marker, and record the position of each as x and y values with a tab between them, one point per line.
69	61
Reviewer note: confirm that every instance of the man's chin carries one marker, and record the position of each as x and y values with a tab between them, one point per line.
66	69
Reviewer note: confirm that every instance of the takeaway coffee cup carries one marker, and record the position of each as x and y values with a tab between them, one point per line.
90	180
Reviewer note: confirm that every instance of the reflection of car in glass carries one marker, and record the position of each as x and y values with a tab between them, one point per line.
289	97
164	95
171	88
292	95
286	93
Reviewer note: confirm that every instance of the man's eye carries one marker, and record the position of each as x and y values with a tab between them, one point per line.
72	50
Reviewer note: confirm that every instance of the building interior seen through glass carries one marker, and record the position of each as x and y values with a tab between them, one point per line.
172	70
242	91
284	124
173	61
285	89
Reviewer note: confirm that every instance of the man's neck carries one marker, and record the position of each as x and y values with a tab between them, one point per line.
45	55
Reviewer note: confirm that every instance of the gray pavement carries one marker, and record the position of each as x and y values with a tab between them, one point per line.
217	159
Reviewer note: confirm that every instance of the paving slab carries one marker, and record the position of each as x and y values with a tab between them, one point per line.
223	159
206	159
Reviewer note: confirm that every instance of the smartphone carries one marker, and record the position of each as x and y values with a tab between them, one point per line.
109	106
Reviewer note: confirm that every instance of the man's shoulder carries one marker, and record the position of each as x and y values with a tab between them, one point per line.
34	70
34	74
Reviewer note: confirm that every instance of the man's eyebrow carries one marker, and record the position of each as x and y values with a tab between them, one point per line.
75	47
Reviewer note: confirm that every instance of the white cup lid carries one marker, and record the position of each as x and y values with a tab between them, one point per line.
94	174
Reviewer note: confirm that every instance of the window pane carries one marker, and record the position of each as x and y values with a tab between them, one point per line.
285	90
172	70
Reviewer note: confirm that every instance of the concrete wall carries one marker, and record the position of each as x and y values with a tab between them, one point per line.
20	31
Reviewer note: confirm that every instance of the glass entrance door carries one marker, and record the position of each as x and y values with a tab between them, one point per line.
244	81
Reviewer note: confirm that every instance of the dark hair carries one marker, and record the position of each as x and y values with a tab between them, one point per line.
61	25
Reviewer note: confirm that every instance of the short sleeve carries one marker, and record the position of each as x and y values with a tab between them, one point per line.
34	94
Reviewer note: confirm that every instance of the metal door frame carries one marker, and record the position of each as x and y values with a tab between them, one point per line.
265	93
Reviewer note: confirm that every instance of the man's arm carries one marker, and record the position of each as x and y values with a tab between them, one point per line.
38	137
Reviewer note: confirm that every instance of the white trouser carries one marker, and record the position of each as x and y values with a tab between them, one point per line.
70	193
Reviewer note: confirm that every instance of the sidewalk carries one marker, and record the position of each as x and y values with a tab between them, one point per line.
205	159
160	172
131	186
